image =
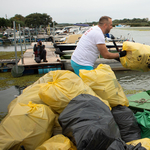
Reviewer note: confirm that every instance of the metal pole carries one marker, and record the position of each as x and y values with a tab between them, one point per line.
21	46
36	34
24	39
54	32
30	35
15	46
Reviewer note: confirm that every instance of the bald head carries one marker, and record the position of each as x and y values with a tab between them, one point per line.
103	20
105	23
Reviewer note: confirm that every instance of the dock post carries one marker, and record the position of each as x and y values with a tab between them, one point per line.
54	32
30	35
15	46
36	34
21	46
24	39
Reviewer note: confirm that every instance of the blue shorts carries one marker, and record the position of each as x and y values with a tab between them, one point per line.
76	67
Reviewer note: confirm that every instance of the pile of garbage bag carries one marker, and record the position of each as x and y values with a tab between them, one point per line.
63	111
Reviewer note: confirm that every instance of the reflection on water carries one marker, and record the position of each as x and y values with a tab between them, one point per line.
133	80
6	96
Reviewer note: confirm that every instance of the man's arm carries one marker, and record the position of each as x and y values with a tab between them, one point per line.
105	53
34	48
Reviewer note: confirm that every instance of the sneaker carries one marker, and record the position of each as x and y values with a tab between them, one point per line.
45	61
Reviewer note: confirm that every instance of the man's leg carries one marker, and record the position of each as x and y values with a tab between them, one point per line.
76	67
43	56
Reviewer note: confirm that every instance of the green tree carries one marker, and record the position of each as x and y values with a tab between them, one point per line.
5	22
2	22
19	19
37	19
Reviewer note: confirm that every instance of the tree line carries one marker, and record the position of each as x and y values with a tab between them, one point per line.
32	20
135	22
36	20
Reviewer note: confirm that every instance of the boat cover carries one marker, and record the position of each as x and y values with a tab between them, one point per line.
143	119
139	101
137	58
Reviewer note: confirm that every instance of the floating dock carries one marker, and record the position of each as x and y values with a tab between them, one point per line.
114	64
54	61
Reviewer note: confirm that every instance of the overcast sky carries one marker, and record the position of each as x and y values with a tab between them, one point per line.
76	11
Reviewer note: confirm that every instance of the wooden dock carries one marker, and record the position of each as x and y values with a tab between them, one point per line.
114	64
54	61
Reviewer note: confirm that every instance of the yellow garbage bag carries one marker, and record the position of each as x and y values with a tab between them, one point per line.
28	125
11	105
44	79
137	58
30	94
57	142
65	86
144	142
103	82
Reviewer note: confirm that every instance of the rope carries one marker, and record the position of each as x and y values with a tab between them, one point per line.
141	101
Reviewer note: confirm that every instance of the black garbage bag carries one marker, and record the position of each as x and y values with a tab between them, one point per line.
119	144
127	123
89	124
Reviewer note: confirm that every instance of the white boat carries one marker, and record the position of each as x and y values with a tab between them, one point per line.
122	26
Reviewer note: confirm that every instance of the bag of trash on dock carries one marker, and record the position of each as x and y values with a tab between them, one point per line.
44	79
137	58
119	144
26	125
127	123
58	142
103	82
30	94
88	123
144	142
143	119
62	89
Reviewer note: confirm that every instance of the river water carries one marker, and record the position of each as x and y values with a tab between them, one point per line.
131	81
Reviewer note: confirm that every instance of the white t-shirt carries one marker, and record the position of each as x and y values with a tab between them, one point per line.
86	51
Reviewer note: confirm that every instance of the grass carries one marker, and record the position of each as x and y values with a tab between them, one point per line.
7	80
10	55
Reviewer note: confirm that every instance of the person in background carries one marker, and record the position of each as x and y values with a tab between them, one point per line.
40	52
91	45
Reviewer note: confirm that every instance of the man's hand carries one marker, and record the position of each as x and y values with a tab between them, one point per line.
123	53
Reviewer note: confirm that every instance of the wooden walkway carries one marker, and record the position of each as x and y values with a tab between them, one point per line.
29	63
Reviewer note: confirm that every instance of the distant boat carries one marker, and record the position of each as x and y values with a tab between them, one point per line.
122	26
